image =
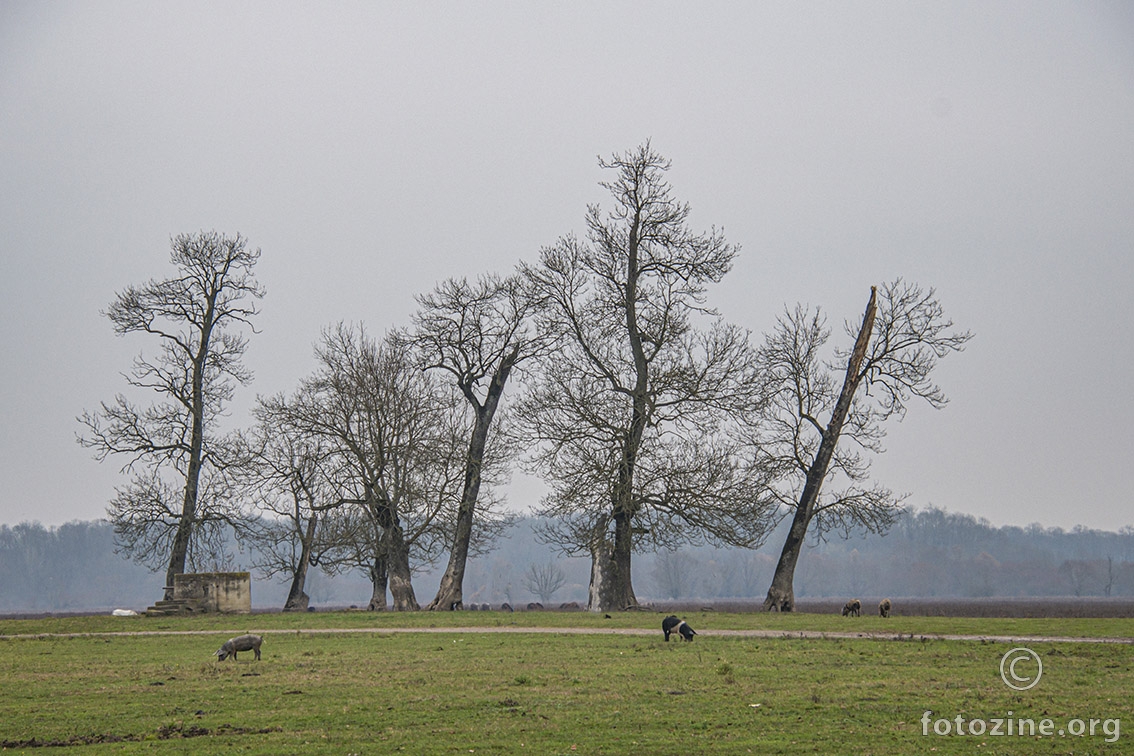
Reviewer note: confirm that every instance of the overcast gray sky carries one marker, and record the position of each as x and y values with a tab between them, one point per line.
985	149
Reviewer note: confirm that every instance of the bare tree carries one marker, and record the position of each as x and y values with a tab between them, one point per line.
897	345
291	484
476	333
396	435
629	418
175	508
544	580
673	573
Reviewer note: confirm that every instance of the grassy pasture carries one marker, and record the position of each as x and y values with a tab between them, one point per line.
448	691
830	622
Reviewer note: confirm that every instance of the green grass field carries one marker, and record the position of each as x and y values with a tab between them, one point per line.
607	692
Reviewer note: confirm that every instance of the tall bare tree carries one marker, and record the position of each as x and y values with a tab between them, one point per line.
178	498
902	335
628	417
477	334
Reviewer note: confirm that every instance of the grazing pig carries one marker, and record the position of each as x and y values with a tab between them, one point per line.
852	608
672	624
884	608
240	643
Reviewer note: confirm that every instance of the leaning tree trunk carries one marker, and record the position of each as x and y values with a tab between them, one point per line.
781	595
450	593
297	599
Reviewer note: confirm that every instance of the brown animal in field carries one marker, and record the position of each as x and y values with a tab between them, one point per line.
240	643
852	608
884	608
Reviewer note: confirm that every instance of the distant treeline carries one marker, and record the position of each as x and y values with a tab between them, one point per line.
69	568
928	553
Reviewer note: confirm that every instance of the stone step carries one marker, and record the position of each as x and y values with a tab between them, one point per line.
170	606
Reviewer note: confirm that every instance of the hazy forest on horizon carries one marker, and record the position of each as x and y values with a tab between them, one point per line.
927	554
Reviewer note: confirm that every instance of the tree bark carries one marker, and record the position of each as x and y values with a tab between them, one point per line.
781	595
392	556
379	576
617	590
620	594
297	599
601	567
401	585
450	593
188	518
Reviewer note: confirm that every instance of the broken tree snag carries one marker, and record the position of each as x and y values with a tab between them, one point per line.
781	594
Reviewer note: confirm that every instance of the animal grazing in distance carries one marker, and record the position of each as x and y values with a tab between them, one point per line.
239	643
884	608
673	624
852	608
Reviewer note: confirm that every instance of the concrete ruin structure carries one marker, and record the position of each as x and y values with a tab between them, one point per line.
200	592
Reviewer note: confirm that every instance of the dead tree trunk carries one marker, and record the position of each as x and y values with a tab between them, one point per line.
781	595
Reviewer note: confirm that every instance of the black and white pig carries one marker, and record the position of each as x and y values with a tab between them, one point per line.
672	624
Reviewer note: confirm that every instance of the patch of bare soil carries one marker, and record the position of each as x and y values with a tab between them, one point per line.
165	732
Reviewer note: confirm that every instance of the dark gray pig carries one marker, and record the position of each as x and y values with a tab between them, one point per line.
240	643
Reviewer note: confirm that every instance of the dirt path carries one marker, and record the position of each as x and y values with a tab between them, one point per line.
804	634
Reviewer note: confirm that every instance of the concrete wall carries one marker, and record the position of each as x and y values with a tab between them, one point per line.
229	592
